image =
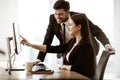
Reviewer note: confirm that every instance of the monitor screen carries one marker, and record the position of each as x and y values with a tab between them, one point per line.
16	38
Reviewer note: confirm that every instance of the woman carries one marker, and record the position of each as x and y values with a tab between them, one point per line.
79	51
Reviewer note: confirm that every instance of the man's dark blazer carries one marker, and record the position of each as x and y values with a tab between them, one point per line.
54	30
82	57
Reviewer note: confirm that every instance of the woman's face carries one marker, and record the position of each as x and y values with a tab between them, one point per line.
74	30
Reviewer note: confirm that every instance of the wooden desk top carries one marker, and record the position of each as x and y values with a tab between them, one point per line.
23	75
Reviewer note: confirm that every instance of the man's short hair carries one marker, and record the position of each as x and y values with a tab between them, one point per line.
61	4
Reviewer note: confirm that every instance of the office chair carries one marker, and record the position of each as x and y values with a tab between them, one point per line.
101	66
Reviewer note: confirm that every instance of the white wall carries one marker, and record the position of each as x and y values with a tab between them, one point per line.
33	19
8	14
116	36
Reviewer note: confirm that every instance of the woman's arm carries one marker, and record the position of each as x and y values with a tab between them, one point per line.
45	48
35	46
39	47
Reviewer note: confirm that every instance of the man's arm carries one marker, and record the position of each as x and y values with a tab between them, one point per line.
47	39
100	35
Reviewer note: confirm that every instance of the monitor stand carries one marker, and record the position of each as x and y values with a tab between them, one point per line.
9	58
15	69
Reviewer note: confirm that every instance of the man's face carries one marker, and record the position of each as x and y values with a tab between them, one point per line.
61	15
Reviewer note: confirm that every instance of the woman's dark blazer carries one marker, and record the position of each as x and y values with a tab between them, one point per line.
82	57
54	30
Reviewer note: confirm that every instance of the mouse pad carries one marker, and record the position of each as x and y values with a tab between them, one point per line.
41	69
43	72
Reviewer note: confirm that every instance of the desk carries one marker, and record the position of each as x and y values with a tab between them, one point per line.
23	75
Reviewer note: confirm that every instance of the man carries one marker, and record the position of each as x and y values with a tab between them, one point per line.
55	28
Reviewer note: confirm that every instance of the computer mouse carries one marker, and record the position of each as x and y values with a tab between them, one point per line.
39	67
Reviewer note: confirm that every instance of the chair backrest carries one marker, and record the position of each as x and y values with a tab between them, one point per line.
101	66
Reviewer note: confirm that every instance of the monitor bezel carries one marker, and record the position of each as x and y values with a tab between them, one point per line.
16	38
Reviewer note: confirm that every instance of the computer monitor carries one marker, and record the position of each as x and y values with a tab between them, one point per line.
17	47
16	38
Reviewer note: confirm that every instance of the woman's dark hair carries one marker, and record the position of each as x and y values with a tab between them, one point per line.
81	19
62	4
